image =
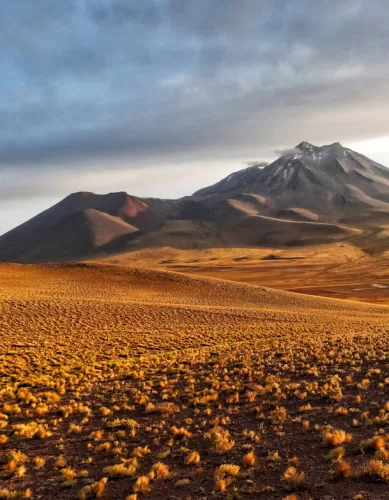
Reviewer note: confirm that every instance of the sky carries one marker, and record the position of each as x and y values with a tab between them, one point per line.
163	97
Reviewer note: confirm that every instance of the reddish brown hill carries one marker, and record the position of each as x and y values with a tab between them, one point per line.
80	225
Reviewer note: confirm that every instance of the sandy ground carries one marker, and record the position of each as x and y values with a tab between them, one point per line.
339	270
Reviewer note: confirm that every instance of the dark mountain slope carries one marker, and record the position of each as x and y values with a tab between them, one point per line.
331	181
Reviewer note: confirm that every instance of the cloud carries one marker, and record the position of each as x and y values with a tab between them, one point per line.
286	152
107	80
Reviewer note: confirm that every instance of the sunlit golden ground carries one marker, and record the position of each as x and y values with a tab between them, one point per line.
338	270
118	382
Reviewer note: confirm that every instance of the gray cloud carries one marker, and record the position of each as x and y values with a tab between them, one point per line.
286	152
84	80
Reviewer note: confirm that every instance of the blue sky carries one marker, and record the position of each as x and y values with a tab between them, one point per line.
162	97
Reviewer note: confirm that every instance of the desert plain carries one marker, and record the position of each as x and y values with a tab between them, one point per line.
125	382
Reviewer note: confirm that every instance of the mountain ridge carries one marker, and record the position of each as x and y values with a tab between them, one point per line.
310	194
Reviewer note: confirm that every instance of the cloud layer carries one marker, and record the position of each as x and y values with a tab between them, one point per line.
95	82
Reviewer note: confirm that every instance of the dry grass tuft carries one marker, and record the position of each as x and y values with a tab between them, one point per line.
142	485
293	480
336	437
249	459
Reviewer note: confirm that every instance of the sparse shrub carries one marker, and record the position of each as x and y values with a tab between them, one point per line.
160	470
193	457
60	462
293	480
378	470
142	485
140	451
249	459
273	456
278	416
336	437
343	470
39	462
68	474
124	469
75	429
224	475
221	439
95	490
336	454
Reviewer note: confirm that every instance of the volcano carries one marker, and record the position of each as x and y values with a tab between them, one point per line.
309	195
